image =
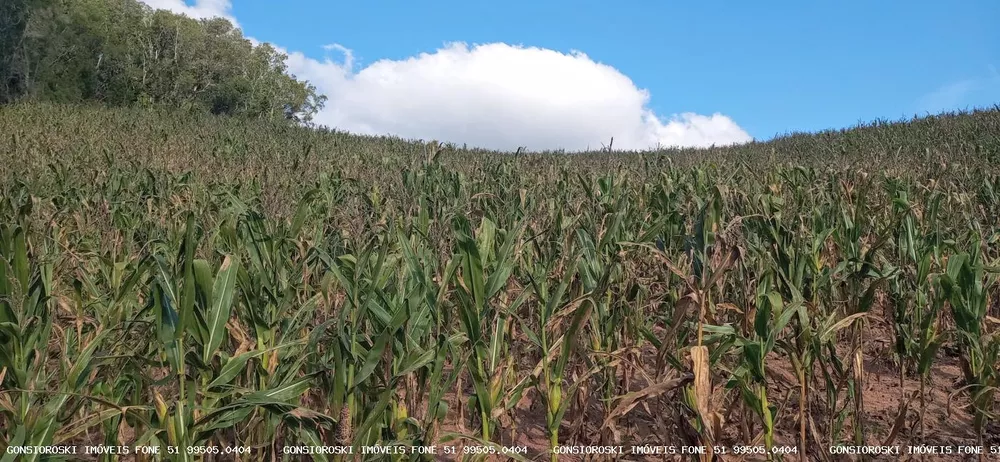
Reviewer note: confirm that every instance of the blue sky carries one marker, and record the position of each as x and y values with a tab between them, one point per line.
786	66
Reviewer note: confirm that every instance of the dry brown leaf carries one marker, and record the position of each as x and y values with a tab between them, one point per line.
631	400
703	392
900	418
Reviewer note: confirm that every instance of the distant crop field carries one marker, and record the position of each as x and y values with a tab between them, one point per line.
190	282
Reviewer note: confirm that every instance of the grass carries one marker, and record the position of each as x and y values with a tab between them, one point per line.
185	280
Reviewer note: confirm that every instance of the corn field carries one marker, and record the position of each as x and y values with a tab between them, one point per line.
184	280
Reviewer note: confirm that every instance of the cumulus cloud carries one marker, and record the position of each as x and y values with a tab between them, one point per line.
493	95
199	9
502	96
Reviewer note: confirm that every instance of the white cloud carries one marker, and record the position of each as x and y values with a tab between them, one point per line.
502	96
494	95
948	97
200	9
348	54
978	91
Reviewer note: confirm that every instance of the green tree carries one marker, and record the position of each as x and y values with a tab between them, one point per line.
13	26
121	52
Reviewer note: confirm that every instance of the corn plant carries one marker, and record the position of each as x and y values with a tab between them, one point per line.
184	281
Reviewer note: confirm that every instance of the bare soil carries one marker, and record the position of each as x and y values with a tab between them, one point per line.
947	417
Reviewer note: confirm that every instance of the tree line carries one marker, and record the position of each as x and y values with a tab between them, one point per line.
122	52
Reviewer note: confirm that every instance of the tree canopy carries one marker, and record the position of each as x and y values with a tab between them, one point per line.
122	52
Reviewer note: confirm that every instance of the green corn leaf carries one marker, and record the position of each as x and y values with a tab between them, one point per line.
22	270
186	308
281	393
374	356
221	305
416	360
17	439
237	364
82	363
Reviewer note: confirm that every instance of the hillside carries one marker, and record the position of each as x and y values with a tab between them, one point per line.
236	149
175	278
